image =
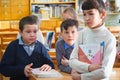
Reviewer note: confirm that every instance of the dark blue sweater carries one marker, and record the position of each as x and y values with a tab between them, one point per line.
16	58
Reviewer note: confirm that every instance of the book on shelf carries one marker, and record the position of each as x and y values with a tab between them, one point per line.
91	53
46	74
46	12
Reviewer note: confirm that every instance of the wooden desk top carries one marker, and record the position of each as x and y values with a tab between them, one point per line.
114	76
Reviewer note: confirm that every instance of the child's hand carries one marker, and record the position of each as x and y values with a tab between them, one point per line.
45	67
64	61
73	71
93	67
27	69
76	76
118	54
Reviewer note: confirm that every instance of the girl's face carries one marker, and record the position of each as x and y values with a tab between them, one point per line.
67	15
69	35
29	33
93	18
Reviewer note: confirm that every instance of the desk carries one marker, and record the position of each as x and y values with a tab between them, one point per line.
114	76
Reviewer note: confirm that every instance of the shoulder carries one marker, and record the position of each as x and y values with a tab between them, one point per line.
40	46
109	35
12	46
60	42
14	43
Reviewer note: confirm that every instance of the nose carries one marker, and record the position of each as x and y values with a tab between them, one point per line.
32	34
70	34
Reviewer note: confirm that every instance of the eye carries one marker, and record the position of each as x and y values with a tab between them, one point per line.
91	13
66	32
73	32
28	31
84	14
35	31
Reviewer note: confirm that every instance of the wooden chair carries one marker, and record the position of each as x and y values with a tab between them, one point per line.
5	39
57	33
115	31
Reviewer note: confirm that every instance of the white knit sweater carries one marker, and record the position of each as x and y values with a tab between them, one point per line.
95	36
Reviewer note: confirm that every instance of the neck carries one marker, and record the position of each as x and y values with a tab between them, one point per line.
99	25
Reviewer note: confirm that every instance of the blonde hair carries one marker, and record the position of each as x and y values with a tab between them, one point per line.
71	11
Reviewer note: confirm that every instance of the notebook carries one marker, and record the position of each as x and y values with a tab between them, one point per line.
49	39
91	53
46	74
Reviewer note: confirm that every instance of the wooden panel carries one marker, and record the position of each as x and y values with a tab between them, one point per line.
4	24
20	2
48	24
14	25
59	23
5	2
14	9
5	13
19	12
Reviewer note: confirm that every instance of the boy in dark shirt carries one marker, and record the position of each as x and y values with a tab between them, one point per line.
25	53
65	46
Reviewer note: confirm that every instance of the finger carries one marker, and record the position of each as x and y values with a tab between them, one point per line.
30	65
63	57
42	67
48	68
45	68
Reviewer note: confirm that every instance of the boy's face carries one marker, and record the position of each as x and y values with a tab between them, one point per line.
29	33
93	18
69	35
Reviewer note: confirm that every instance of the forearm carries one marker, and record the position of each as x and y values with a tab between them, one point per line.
12	70
81	67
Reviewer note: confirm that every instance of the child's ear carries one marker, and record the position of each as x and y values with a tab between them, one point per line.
61	34
20	32
103	14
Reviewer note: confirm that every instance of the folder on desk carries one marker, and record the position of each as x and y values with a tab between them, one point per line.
91	53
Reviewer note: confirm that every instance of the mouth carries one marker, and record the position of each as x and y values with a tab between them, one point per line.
70	39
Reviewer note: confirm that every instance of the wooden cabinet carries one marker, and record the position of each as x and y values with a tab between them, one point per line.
14	9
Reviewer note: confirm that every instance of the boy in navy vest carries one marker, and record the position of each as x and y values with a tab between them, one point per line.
25	53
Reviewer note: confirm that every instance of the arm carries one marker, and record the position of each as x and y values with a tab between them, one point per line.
59	56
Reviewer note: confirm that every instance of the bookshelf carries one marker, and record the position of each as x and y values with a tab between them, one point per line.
50	8
49	11
13	9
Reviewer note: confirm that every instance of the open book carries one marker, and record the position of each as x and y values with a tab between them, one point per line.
91	53
46	74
